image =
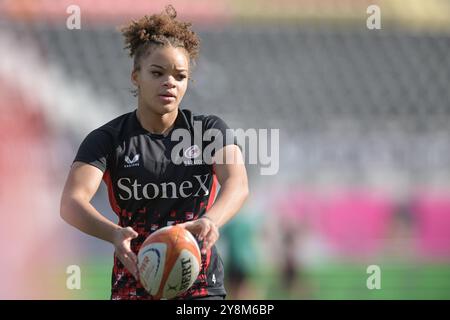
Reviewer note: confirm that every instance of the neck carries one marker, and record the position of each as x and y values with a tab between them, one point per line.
156	123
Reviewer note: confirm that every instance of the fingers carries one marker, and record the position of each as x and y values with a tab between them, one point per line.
132	257
124	253
186	225
210	238
129	260
134	265
204	231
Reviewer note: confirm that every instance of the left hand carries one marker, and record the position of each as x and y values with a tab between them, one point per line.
205	230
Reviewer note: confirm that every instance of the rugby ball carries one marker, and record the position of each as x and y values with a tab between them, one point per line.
169	262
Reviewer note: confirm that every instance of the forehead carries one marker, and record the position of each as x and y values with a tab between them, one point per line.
168	57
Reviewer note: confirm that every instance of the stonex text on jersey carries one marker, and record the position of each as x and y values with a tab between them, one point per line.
134	190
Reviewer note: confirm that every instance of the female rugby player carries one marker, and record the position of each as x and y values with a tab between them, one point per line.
132	154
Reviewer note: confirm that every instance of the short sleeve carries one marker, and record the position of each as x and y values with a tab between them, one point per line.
215	126
95	149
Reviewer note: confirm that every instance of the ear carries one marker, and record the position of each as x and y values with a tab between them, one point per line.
135	77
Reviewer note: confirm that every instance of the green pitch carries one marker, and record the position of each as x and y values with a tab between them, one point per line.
333	281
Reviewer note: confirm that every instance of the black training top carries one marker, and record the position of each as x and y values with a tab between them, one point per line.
148	191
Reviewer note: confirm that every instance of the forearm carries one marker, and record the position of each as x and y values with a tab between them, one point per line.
83	216
233	193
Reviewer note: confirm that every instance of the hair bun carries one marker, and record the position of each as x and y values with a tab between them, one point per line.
170	11
161	29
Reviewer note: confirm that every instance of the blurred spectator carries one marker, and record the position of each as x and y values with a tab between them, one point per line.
242	261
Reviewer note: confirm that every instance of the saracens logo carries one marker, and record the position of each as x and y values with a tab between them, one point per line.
192	152
132	189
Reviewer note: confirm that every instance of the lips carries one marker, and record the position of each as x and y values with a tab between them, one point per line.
167	98
168	94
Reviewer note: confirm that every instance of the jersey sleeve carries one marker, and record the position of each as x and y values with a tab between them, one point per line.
219	126
95	149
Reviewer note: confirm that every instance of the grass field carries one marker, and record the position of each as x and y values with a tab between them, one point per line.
333	281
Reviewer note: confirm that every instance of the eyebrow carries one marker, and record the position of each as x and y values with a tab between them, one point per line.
158	66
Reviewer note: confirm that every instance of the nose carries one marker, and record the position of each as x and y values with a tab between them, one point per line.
169	82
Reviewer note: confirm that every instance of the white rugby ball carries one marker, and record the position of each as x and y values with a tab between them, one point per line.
169	262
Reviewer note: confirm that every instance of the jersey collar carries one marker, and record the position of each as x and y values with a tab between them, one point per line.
182	121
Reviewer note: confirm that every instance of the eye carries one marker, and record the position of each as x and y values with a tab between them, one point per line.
182	76
156	73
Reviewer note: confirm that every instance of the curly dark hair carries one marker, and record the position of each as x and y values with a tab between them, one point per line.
162	30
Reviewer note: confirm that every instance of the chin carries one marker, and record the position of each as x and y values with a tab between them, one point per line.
162	109
170	107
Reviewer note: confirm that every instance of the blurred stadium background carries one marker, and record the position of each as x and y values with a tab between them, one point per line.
364	141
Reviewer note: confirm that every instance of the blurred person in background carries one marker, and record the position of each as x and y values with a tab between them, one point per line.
242	261
294	224
132	155
400	234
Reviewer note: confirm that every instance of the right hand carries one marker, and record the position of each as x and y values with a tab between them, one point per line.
122	244
205	230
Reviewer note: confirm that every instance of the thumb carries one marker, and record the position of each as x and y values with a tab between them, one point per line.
130	233
185	225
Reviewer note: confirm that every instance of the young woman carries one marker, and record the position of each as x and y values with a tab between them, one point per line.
147	188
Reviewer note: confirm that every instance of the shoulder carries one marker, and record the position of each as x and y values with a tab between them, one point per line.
99	144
